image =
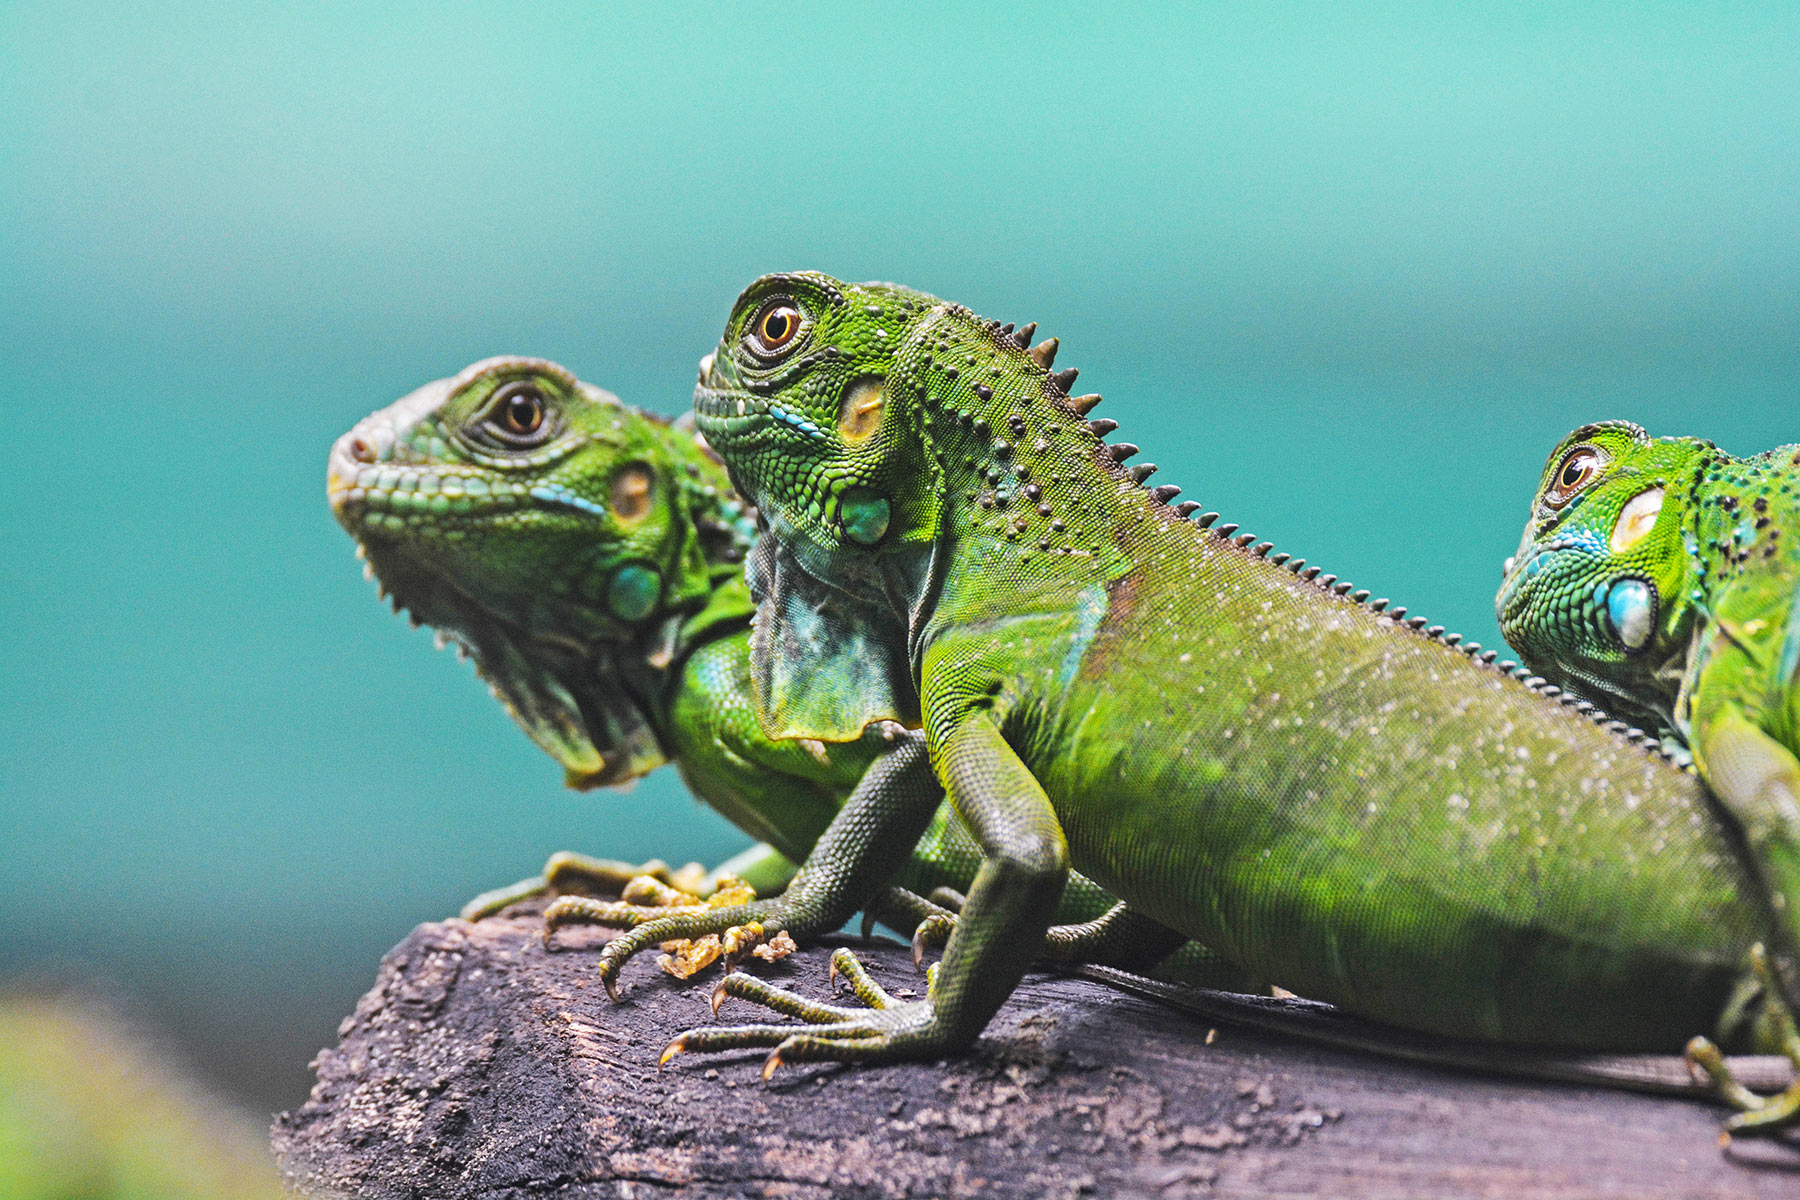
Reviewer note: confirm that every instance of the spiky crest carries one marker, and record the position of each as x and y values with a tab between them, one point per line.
1057	386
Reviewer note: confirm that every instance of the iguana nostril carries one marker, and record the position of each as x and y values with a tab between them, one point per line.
361	451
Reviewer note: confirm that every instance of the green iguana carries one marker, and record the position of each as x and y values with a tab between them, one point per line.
1334	796
1661	578
589	557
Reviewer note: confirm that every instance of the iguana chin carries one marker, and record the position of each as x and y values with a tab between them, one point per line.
1336	799
588	556
1661	576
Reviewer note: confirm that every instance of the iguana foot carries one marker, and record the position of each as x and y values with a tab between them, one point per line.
642	900
569	873
1756	1114
731	924
886	1031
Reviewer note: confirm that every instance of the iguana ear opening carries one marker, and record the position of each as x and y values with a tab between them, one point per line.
827	664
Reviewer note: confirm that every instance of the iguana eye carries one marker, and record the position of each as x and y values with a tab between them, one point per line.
775	327
516	415
1578	468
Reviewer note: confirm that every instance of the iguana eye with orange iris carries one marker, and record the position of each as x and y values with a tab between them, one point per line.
517	414
774	328
1578	469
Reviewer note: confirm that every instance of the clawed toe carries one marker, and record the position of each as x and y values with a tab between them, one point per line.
755	1037
1756	1114
930	934
832	1033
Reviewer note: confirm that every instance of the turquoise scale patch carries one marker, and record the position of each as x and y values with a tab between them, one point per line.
865	515
1631	608
1090	610
795	421
633	592
556	493
1790	648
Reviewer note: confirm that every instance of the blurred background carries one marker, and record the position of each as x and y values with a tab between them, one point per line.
1346	272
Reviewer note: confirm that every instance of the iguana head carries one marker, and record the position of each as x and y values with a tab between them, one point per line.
1595	600
549	530
874	425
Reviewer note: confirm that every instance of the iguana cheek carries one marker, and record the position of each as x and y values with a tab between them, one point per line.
1631	606
633	592
865	515
1636	519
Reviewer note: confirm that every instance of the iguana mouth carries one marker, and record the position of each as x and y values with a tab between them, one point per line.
1518	587
373	501
728	417
376	495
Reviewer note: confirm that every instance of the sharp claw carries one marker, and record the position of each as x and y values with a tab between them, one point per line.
670	1051
612	988
771	1063
868	924
831	972
918	948
719	995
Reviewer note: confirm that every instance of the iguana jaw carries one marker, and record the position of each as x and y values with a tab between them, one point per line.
560	692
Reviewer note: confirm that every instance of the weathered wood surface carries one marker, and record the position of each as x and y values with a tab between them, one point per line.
481	1066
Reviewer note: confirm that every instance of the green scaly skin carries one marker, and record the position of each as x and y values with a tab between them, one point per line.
589	557
1337	799
1661	578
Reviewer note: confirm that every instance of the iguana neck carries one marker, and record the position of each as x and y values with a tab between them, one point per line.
650	662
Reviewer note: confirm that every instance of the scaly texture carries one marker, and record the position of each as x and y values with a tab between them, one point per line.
1334	797
588	556
1662	576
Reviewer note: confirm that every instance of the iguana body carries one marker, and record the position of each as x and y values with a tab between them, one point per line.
589	557
1352	807
1661	577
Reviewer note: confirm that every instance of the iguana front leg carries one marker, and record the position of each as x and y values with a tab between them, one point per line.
868	841
1757	781
1023	871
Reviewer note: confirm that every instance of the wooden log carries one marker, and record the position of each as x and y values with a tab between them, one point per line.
482	1066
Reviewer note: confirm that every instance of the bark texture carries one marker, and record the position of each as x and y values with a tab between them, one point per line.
481	1066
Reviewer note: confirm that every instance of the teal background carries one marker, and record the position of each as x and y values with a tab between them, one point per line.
1346	272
